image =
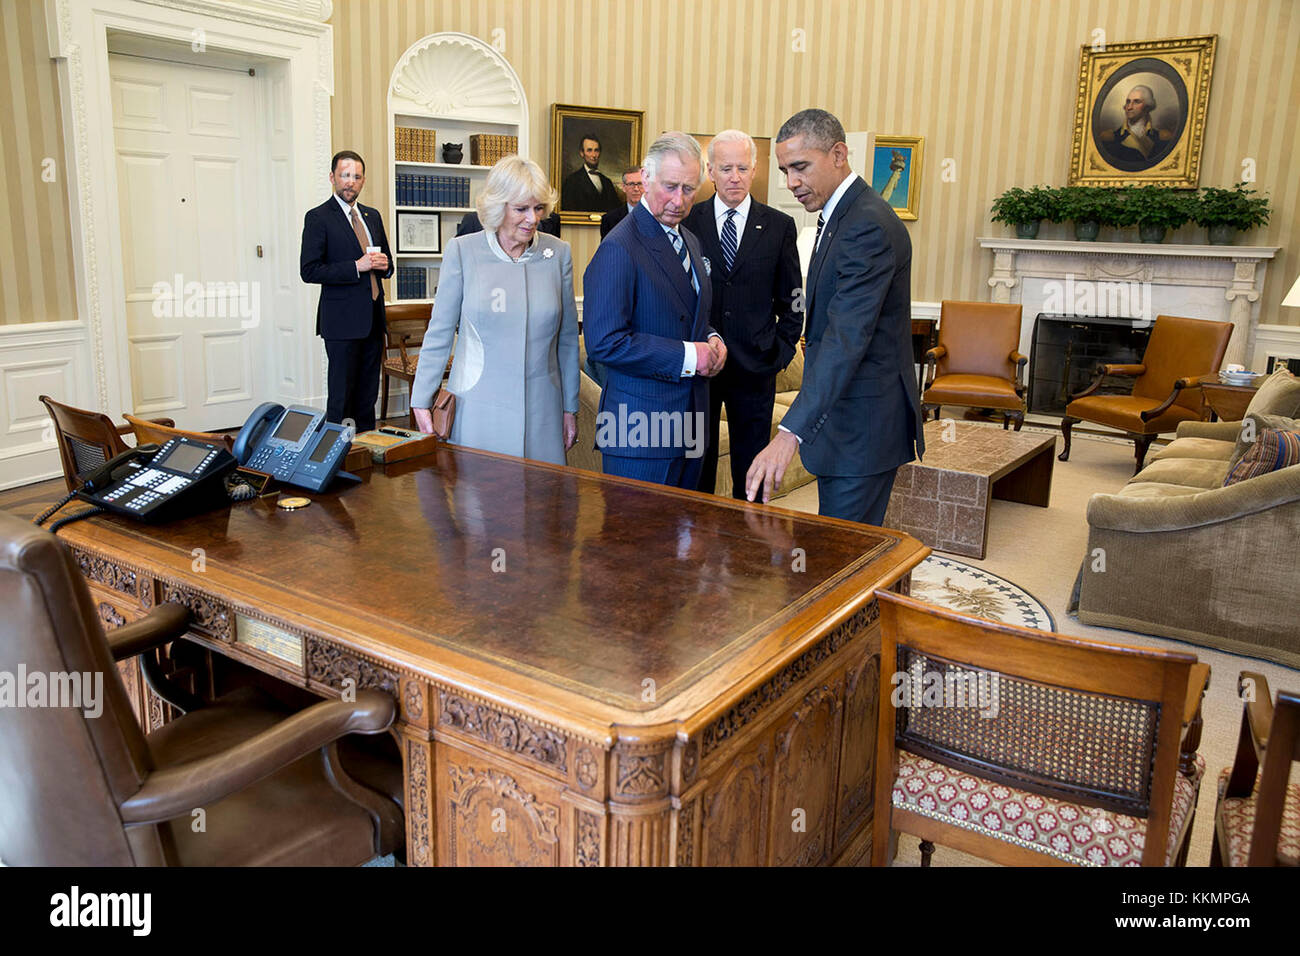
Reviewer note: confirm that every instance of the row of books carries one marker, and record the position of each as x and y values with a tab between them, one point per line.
412	282
412	145
416	189
486	148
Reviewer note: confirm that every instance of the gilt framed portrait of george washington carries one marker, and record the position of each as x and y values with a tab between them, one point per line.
1140	114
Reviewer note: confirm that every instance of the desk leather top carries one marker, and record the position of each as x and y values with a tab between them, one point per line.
584	582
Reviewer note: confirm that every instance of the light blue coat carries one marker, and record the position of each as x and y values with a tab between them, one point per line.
515	370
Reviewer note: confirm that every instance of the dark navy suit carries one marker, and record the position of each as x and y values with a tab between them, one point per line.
351	323
638	308
857	411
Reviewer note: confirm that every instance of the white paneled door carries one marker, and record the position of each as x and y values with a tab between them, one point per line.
187	168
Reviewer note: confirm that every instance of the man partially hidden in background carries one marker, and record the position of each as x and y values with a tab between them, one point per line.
857	417
345	250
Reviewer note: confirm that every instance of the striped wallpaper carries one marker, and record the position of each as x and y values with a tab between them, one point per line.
988	83
35	240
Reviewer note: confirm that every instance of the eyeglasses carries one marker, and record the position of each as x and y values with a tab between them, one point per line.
628	185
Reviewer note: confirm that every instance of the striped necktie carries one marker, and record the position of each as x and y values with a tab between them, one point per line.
684	254
821	221
729	239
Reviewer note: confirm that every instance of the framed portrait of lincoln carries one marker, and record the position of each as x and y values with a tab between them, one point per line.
1140	115
591	148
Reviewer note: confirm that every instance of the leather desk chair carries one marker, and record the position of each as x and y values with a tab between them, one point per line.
1165	390
147	432
405	327
94	790
977	363
1079	753
1257	820
86	439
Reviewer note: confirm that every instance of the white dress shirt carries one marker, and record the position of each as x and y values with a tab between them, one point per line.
347	211
720	210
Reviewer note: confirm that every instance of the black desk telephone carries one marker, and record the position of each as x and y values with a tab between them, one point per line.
184	477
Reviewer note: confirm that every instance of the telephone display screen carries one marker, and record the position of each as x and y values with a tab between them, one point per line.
323	448
185	457
292	427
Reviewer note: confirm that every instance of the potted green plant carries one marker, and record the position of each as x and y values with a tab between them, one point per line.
1089	208
1224	212
1153	209
1025	209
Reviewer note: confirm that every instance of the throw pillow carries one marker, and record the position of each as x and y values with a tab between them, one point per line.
1279	395
1254	425
1273	450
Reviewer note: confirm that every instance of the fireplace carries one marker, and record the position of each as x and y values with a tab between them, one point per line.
1066	350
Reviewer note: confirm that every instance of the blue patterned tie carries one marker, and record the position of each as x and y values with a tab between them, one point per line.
729	239
821	221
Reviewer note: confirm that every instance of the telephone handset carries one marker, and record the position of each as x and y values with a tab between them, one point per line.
295	445
118	467
182	478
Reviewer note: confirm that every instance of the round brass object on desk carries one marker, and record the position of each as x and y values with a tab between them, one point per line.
293	504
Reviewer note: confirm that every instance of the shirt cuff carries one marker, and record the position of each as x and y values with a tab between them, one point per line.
688	361
796	437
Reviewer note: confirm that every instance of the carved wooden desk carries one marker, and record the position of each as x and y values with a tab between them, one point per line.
590	670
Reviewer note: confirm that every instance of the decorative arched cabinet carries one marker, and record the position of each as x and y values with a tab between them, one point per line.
457	86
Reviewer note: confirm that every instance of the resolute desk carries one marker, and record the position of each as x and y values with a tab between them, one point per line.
589	670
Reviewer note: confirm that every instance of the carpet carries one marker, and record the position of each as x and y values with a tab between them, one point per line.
968	589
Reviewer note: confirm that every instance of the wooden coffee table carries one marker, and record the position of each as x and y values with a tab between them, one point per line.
944	500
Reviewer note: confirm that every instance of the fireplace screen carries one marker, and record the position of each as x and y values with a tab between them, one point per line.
1067	349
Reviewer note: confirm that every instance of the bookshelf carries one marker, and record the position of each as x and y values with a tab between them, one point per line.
457	86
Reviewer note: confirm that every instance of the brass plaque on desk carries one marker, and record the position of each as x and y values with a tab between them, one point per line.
268	639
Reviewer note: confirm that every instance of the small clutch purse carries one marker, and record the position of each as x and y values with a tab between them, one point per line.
444	413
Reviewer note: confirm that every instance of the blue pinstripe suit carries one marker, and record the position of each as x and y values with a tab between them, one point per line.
638	308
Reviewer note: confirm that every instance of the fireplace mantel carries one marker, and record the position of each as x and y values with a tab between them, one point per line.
1207	282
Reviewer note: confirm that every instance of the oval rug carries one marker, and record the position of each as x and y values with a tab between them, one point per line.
963	587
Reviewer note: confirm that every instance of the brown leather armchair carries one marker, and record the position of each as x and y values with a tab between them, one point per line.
976	363
82	785
1165	388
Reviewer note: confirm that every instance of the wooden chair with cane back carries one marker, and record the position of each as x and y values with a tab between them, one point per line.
405	325
86	439
1031	748
146	432
1257	817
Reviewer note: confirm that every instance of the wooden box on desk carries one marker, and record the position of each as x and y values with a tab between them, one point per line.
385	448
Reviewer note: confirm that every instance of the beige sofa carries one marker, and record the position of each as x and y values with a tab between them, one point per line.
1174	553
583	455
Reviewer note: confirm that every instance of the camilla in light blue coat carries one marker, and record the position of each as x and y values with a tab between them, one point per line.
508	290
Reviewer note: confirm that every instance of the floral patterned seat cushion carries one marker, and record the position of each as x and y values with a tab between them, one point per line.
1088	836
1237	822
